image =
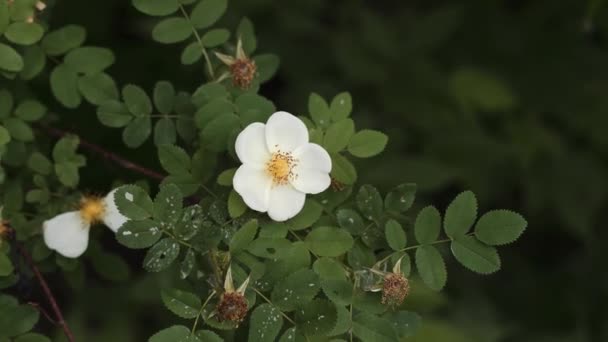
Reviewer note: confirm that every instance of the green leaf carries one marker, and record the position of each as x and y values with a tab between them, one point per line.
428	225
89	59
236	205
341	106
176	333
244	236
164	132
367	143
395	236
62	40
246	33
34	61
137	131
98	88
139	234
4	16
401	198
114	114
329	241
110	266
39	163
500	227
5	136
6	266
174	159
191	54
317	317
161	255
10	60
208	336
307	217
370	327
16	319
215	37
370	203
6	103
188	264
406	323
475	255
183	304
271	248
164	96
216	134
339	291
267	64
225	178
351	221
168	204
214	109
172	30
342	169
19	130
208	92
137	100
133	202
338	135
156	7
24	33
460	214
32	337
64	85
319	110
265	323
480	90
328	268
190	223
297	289
207	12
431	267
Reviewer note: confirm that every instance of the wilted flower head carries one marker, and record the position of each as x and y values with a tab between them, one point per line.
233	305
242	68
279	166
395	287
68	233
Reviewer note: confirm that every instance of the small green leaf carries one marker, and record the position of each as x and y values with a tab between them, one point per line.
156	7
369	327
5	136
98	88
216	134
395	236
6	266
24	33
133	202
4	16
307	217
401	198
16	319
89	59
191	54
317	317
172	30
168	205
268	65
6	103
351	221
139	234
500	227
137	100
271	248
207	12
338	135
176	333
161	255
188	264
208	336
39	163
34	61
342	169
114	114
319	110
64	85
137	131
10	60
341	106
243	237
431	267
225	178
183	304
174	159
370	203
236	205
164	132
215	37
265	323
329	268
298	288
62	40
164	96
246	33
19	130
460	214
367	143
329	241
475	255
480	90
428	225
339	291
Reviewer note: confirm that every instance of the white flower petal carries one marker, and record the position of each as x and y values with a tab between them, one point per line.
285	132
253	184
112	217
250	144
312	156
67	234
311	181
285	202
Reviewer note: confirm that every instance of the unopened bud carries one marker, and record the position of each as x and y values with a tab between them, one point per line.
40	6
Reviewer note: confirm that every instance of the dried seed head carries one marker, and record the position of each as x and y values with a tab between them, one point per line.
394	289
243	72
232	307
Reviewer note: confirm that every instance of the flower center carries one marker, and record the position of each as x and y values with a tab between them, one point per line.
280	167
92	209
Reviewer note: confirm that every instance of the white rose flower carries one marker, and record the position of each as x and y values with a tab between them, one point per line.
279	166
68	233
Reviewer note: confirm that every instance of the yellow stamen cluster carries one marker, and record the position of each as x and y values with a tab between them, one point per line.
280	167
243	72
92	209
394	290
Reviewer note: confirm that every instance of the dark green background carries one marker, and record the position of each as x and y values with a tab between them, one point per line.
542	154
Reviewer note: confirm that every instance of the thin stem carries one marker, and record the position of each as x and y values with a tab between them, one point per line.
45	288
414	247
200	312
200	42
271	303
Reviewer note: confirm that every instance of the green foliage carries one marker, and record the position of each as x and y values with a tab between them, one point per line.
266	323
183	304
